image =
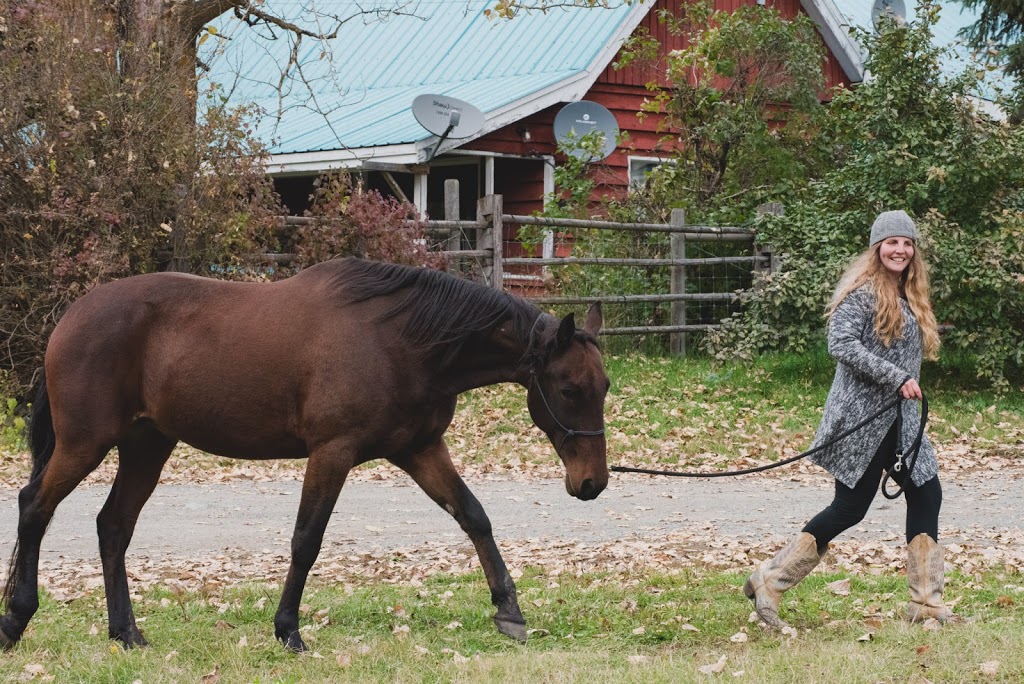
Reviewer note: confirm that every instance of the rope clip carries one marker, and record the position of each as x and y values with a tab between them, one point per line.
899	462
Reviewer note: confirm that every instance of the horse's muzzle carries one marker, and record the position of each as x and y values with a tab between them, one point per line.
587	491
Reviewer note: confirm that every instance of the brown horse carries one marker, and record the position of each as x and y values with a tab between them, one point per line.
346	362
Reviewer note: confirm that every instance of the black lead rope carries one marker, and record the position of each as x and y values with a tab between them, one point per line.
900	456
914	450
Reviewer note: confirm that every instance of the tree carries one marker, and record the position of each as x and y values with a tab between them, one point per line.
1000	28
741	97
908	138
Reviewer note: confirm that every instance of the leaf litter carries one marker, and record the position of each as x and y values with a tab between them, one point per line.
498	443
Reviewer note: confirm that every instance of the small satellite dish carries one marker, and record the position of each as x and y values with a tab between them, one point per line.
446	116
577	119
893	9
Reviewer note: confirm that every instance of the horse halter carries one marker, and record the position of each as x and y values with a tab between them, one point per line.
569	432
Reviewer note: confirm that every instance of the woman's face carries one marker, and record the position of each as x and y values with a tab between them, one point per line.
896	254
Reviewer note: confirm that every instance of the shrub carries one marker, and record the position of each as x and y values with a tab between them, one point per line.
106	173
351	221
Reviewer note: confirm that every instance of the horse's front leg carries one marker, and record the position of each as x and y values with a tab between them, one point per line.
326	471
433	471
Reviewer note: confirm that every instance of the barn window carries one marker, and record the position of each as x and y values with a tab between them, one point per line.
641	167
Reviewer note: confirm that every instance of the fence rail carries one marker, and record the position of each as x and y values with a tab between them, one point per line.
485	236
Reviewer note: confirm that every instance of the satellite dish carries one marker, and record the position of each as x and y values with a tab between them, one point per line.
577	119
446	116
894	9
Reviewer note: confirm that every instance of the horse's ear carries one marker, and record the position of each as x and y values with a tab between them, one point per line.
594	319
566	331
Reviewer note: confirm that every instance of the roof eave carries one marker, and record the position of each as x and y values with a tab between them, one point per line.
835	29
305	163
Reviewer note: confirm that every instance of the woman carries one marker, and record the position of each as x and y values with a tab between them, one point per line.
880	325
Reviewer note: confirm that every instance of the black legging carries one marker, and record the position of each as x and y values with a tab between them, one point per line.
851	505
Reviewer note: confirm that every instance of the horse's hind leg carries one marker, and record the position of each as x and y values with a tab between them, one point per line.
141	456
433	471
37	501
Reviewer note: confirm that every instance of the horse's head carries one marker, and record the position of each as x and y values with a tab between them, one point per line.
566	395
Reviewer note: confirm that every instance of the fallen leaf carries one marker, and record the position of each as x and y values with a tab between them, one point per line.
738	638
989	668
713	668
866	637
211	677
243	642
840	587
344	660
687	627
639	630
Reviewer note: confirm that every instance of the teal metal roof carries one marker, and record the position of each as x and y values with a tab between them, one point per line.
356	90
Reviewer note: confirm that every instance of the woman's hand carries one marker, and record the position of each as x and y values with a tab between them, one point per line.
911	390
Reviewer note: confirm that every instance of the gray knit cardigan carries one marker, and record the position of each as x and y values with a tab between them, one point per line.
868	376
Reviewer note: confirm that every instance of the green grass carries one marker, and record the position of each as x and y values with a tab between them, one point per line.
694	411
683	413
589	629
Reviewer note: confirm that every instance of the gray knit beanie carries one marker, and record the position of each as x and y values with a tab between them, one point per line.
893	224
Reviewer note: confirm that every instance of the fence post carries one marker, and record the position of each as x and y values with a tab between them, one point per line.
451	213
677	340
775	209
489	210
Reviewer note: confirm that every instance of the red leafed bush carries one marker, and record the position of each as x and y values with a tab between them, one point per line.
351	221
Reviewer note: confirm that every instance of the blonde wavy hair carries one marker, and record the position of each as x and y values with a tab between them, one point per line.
868	269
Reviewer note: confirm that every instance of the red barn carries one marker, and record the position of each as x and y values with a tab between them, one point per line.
351	104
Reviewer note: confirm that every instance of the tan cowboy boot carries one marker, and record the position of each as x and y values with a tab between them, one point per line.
780	574
926	579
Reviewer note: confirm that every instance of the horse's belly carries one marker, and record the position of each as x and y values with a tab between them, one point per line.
254	450
240	437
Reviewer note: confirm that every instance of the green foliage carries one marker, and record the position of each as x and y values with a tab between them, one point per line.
907	138
12	425
351	221
721	117
999	34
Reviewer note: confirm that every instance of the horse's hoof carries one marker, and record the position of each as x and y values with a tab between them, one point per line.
6	642
510	628
294	643
128	643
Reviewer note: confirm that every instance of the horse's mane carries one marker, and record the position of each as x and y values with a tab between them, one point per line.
444	310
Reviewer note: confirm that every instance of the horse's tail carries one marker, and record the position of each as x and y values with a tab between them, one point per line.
42	439
41	435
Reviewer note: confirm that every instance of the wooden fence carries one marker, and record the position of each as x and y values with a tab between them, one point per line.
486	258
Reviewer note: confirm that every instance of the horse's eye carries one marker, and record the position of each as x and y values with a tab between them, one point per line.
569	393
